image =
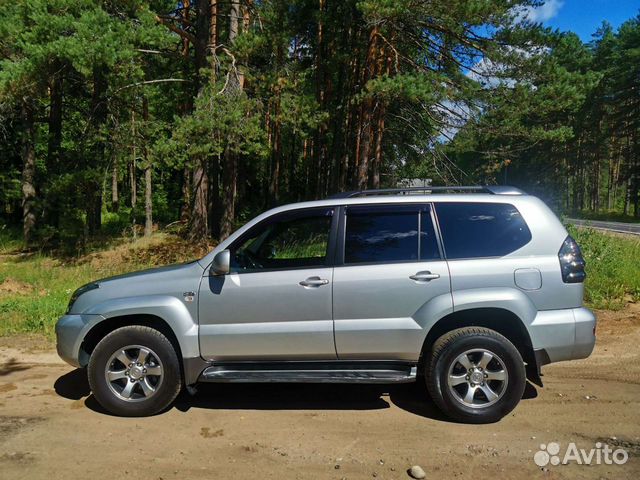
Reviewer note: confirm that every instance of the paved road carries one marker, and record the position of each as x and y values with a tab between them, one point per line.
620	227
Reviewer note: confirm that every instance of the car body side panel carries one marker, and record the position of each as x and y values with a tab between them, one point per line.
168	308
267	316
380	313
564	333
553	294
510	299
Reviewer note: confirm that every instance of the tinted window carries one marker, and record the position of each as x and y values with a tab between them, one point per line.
471	230
389	234
291	241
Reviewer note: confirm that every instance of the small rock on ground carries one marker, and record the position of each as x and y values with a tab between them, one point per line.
417	472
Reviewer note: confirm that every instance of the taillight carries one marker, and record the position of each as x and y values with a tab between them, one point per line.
571	262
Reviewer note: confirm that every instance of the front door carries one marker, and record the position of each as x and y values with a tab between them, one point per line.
276	303
389	281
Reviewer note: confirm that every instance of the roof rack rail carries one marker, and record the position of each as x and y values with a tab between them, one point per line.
492	189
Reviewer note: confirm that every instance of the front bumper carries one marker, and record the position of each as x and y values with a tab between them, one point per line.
558	335
70	333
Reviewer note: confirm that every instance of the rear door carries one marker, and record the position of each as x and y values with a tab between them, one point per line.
389	265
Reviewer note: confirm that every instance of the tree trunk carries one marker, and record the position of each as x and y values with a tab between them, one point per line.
319	166
185	108
234	15
199	221
53	208
55	118
115	200
99	118
229	180
230	166
213	38
28	173
213	27
186	195
199	228
377	161
365	127
214	172
627	198
274	183
148	199
214	197
148	203
132	166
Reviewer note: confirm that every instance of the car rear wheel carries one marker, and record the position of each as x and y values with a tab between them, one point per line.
134	371
475	375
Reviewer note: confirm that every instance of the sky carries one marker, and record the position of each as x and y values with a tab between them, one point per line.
584	16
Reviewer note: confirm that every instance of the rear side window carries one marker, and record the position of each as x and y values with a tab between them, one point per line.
388	234
472	230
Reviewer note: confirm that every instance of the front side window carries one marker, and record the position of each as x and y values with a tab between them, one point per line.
292	240
388	234
476	230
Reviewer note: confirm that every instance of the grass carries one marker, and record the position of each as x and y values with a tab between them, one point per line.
35	287
613	268
9	240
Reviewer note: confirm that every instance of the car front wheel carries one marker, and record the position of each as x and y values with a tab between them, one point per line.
134	372
475	375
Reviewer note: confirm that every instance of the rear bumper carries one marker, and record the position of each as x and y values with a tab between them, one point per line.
70	333
558	335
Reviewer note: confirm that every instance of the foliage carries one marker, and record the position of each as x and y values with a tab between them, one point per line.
613	263
570	131
119	114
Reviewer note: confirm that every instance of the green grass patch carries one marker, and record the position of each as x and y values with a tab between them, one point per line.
35	288
613	268
10	240
34	291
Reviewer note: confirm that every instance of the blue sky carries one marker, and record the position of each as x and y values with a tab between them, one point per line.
584	17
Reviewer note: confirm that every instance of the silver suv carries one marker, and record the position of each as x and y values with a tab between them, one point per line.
469	289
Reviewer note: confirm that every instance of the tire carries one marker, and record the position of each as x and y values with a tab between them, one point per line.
466	384
144	381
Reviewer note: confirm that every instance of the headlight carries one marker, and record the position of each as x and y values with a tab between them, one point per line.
83	289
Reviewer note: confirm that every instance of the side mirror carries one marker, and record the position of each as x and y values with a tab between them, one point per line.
221	262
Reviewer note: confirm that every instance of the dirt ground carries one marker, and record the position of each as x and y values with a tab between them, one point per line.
50	427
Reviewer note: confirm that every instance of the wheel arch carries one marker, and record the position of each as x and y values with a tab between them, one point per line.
501	320
164	313
105	327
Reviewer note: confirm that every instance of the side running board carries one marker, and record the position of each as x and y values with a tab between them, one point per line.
310	372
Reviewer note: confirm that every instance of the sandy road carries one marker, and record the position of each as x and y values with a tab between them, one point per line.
50	427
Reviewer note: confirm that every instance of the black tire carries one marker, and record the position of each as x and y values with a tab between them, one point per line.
168	385
442	359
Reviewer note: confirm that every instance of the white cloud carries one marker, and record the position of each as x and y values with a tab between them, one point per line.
492	74
542	13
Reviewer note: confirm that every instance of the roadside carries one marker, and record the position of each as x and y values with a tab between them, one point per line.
51	428
608	226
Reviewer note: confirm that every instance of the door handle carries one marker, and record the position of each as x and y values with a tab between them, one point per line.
425	276
314	282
